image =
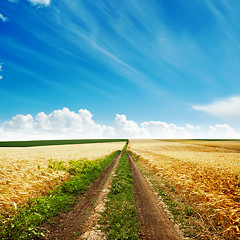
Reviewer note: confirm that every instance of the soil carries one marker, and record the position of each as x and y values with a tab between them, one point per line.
154	222
70	225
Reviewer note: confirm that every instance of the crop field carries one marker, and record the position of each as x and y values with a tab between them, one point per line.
27	173
205	174
199	179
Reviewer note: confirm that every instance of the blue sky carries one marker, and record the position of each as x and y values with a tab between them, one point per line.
149	60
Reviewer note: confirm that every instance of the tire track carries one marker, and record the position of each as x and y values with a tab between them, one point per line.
92	232
155	225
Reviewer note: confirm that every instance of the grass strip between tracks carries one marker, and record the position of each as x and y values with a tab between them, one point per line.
119	220
25	222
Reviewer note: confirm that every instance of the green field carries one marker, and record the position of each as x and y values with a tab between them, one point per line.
56	142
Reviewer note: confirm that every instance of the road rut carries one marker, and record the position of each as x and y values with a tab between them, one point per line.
92	232
155	225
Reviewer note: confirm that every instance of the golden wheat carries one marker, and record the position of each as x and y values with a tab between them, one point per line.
24	172
233	146
205	174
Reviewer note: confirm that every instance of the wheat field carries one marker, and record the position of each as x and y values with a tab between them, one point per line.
24	172
205	174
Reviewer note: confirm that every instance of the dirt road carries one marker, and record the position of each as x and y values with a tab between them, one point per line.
155	225
81	221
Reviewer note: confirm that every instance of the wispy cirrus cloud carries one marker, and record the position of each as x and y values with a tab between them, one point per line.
40	2
130	46
105	52
35	2
3	18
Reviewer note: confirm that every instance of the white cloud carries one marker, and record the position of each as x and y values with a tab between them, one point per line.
222	131
226	109
56	125
19	123
128	129
4	19
191	127
39	2
159	129
35	2
66	124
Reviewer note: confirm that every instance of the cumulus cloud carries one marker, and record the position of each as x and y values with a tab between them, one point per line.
58	124
222	131
158	129
128	129
19	123
40	2
226	109
191	127
3	19
66	124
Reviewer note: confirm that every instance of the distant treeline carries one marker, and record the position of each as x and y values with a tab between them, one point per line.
55	142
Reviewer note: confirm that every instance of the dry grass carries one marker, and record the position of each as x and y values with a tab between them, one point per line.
24	172
205	174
